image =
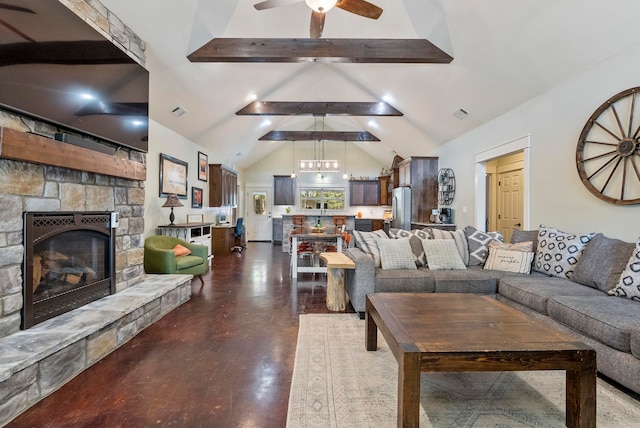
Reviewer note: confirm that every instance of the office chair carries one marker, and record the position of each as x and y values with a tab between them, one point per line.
239	236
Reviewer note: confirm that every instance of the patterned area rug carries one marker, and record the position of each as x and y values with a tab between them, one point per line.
337	383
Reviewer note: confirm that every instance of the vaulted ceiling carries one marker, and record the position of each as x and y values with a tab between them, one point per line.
505	52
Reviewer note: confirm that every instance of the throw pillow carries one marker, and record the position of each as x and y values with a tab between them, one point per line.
509	260
415	236
396	254
442	254
457	236
629	284
558	252
602	262
478	243
180	250
525	235
367	242
526	246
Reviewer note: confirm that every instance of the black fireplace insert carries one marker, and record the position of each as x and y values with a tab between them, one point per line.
69	261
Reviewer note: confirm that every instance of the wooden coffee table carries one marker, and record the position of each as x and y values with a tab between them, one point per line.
450	332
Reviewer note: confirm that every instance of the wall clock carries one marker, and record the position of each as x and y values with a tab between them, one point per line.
608	155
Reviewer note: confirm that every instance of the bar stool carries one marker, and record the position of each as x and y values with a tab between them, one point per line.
338	222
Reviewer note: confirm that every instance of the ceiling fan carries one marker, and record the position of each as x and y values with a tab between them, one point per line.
320	7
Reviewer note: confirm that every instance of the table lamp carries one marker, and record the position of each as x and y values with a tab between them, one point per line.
172	201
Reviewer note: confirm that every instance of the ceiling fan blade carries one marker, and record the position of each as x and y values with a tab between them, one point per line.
317	24
269	4
16	8
360	7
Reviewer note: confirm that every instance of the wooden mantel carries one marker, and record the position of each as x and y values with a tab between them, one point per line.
25	147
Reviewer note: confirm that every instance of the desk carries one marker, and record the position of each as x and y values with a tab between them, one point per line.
311	237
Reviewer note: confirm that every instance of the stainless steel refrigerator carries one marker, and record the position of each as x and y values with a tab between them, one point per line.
401	208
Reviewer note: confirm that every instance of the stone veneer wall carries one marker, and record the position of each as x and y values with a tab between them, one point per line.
29	187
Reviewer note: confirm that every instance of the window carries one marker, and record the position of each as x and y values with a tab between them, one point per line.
315	199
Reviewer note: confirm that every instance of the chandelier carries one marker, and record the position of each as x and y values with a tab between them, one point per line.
319	164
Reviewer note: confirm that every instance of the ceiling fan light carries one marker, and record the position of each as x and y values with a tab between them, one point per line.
322	6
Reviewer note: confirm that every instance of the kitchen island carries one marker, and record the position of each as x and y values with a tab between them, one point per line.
310	222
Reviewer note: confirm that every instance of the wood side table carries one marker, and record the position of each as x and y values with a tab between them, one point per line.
336	276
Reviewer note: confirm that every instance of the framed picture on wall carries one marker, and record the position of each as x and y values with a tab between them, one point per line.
203	166
173	176
196	197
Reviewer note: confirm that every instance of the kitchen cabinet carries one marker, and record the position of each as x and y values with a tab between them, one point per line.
421	174
364	192
277	231
284	190
223	186
386	188
368	224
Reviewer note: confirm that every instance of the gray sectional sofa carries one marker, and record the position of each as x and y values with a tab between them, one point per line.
581	306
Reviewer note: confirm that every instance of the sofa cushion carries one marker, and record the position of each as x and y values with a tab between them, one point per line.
558	252
602	262
404	280
478	243
457	236
396	254
629	283
635	342
368	242
415	236
525	235
534	291
186	262
471	280
509	260
442	254
606	319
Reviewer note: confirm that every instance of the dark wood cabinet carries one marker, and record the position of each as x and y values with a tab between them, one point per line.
277	231
364	192
223	186
421	174
368	224
284	190
386	188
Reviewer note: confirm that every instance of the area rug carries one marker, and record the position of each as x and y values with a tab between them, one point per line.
337	383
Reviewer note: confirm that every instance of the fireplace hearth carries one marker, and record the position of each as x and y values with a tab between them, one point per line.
69	261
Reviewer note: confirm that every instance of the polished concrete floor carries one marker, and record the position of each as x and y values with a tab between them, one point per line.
223	359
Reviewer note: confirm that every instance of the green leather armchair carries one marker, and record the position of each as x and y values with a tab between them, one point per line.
160	258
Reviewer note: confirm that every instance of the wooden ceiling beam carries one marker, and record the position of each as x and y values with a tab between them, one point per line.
318	135
293	108
359	51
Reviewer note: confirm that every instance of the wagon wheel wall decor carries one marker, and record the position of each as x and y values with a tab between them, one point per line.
608	155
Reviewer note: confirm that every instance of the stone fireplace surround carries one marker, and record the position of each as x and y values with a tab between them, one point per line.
36	362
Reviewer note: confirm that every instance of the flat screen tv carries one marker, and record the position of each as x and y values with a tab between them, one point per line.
57	68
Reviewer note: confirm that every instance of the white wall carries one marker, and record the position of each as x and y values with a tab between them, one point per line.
164	140
281	162
554	121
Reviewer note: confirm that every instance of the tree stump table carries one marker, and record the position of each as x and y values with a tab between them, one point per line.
336	276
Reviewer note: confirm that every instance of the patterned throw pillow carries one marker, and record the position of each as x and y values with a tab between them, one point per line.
526	246
367	242
629	284
457	236
478	242
396	254
509	260
415	236
442	254
558	252
181	250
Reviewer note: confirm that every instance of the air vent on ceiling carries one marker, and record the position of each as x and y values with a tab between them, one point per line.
461	113
178	111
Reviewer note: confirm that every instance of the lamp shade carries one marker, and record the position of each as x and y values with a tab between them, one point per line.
172	201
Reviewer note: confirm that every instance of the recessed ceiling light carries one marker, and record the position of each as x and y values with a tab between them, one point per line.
461	113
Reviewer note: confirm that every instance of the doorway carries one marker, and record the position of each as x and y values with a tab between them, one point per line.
505	200
511	156
258	219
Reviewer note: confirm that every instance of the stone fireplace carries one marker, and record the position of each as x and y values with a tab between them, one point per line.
69	262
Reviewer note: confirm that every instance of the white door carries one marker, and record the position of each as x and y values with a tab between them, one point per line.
510	202
258	218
